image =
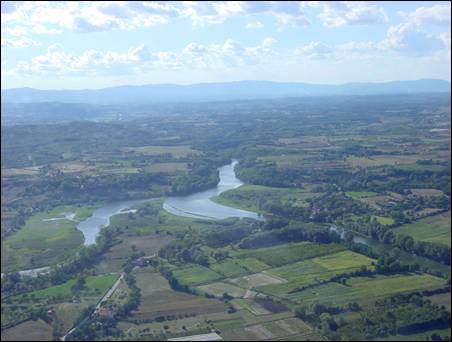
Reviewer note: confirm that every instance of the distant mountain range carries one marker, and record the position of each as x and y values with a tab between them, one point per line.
240	90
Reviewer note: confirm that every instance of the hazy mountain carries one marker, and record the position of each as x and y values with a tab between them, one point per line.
218	91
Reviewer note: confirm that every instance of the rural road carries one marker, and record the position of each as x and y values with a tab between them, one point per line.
103	299
110	291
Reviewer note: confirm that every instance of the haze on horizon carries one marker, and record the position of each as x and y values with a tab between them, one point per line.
77	45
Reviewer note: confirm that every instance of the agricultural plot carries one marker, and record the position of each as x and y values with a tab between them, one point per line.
360	194
94	286
380	160
218	289
29	331
288	253
175	151
427	192
441	299
365	289
166	167
159	300
113	260
65	314
195	275
25	171
379	200
251	305
277	329
386	221
163	330
312	271
229	268
430	229
149	282
252	265
257	280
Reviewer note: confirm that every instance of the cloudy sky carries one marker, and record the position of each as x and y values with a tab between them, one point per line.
63	45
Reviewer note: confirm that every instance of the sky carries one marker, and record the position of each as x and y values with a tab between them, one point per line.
90	45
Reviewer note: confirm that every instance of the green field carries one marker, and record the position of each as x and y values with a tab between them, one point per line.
360	194
386	221
312	271
247	196
95	285
45	239
229	268
365	289
195	275
288	253
251	264
430	229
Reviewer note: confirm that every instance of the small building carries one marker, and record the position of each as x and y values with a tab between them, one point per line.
104	312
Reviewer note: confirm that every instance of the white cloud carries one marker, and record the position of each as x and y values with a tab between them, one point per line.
254	25
315	50
341	13
41	29
215	12
436	14
228	54
88	16
15	31
445	37
18	42
139	59
405	38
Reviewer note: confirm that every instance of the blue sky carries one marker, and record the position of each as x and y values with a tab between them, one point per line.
77	45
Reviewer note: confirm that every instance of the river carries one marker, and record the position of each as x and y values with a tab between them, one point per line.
197	205
200	206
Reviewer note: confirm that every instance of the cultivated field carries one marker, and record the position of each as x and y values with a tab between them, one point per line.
29	331
365	289
431	229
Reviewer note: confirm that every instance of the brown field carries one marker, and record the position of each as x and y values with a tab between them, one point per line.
274	329
29	331
427	192
313	141
67	313
179	326
217	290
379	200
382	160
441	299
112	261
426	212
158	299
71	167
26	171
175	151
166	303
166	167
